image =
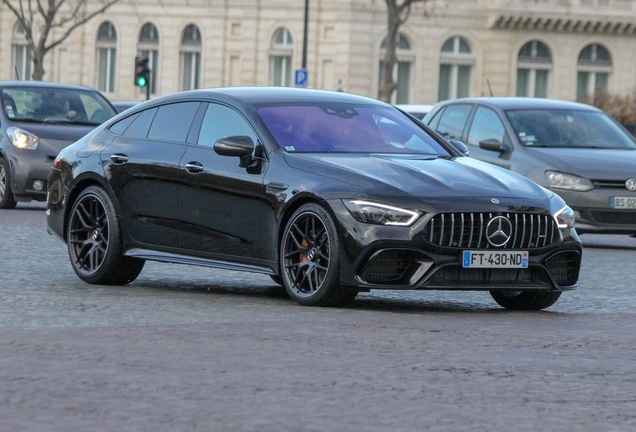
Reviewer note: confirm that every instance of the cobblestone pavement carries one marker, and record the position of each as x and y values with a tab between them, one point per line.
194	349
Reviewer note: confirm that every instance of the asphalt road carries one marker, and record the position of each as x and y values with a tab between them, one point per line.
194	349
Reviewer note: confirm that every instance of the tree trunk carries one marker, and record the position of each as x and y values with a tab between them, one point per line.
38	66
388	85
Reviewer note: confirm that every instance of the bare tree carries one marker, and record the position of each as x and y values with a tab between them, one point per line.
397	14
39	18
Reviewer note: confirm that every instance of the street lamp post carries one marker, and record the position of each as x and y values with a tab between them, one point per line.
304	65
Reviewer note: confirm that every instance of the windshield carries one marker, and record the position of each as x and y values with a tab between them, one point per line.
55	105
568	128
346	128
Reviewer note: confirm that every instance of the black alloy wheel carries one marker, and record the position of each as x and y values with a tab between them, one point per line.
310	259
7	201
94	241
525	300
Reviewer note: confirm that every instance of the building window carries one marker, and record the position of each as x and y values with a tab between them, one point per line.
190	58
149	47
106	57
455	69
593	72
22	59
401	70
534	66
280	55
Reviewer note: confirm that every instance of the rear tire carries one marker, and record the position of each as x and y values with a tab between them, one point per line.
309	259
7	201
526	300
94	241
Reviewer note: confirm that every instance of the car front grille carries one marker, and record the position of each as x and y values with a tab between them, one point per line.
609	184
456	276
468	230
564	267
614	217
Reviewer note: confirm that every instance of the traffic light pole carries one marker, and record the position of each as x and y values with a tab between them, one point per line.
150	78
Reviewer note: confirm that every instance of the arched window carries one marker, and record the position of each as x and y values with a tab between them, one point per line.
593	71
21	54
534	66
401	70
149	47
190	58
280	55
455	69
106	57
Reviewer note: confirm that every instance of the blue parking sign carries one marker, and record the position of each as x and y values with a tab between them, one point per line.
301	78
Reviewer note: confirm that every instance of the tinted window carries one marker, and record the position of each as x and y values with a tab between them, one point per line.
486	125
346	128
173	121
119	127
139	127
220	122
435	120
451	124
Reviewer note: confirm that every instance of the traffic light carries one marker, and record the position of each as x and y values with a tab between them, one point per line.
142	71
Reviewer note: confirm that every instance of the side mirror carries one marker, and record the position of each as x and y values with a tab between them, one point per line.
492	144
238	146
463	148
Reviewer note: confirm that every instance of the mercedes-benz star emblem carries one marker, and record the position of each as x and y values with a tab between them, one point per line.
630	184
494	200
498	231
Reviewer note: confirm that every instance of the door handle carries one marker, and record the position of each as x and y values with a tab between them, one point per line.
194	167
119	158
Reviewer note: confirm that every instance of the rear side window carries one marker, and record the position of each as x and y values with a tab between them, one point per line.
451	124
139	126
172	122
119	127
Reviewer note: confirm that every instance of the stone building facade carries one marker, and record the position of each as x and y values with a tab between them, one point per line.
560	49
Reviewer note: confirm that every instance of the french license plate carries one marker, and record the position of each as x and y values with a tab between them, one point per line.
495	259
623	202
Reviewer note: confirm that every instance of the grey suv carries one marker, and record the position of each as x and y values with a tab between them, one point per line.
37	120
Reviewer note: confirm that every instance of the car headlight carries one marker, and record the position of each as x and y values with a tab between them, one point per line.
380	214
559	180
22	139
565	218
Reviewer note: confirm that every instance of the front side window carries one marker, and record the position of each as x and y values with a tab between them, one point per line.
534	65
106	57
149	47
401	70
568	128
55	105
190	58
486	126
281	52
22	58
220	122
346	128
593	71
455	70
453	120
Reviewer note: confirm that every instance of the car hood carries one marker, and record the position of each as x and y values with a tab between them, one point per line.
597	164
69	133
422	177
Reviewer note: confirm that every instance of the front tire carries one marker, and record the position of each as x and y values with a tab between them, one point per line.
94	241
526	300
7	201
310	262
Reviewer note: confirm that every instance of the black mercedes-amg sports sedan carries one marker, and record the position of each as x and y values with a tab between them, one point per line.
330	194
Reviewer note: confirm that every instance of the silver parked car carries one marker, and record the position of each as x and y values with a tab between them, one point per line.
573	149
37	120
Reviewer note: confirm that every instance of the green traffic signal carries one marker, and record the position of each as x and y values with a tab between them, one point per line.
142	71
141	82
